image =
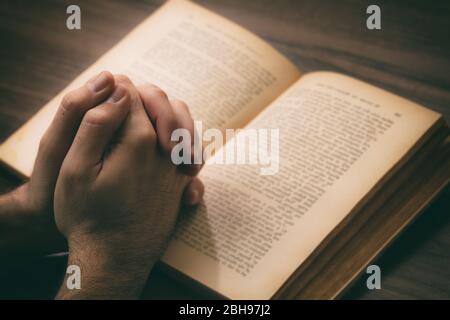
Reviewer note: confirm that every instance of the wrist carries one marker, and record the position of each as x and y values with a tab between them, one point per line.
16	211
107	271
21	204
24	230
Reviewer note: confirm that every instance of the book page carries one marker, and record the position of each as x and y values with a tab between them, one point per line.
223	72
337	138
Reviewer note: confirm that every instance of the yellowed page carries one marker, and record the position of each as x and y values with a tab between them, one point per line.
338	138
225	73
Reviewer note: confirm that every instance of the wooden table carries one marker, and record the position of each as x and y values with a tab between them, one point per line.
409	56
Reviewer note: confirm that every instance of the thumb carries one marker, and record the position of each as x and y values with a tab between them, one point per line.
97	130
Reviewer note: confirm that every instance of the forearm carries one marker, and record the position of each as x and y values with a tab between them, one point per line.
105	272
23	232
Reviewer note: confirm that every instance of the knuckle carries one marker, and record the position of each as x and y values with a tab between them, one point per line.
145	137
76	173
71	173
180	104
69	102
96	117
183	113
157	93
121	78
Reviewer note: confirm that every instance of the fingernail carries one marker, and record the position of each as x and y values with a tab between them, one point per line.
118	94
99	82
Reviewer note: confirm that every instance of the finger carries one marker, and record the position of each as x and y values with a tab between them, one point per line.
193	193
61	132
160	111
138	134
184	120
97	129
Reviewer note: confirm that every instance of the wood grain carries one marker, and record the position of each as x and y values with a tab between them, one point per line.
409	56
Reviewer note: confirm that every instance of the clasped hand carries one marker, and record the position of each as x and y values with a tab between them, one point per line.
104	180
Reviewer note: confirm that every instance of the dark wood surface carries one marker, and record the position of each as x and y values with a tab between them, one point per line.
410	56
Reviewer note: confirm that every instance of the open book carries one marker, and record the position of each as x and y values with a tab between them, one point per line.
357	163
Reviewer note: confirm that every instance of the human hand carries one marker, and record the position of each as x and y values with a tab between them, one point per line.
36	196
117	196
166	116
28	211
